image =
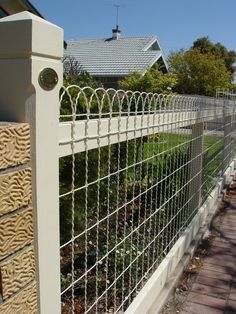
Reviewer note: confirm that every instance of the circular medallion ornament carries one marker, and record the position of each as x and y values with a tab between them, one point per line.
48	78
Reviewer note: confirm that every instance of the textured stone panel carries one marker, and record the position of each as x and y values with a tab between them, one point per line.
16	231
15	190
14	144
24	302
17	272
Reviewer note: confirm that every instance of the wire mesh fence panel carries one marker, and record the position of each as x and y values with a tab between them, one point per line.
226	94
130	183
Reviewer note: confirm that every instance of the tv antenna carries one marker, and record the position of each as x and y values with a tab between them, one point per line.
117	6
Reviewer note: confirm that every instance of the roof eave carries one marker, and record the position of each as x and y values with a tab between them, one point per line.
33	9
151	42
154	60
120	75
155	39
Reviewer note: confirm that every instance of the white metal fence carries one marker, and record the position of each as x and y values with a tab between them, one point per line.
226	94
134	170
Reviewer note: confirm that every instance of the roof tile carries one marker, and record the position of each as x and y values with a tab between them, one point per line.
101	57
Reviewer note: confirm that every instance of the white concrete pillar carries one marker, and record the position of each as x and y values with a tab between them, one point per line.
30	44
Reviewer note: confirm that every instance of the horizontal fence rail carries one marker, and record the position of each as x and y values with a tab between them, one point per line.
134	170
156	113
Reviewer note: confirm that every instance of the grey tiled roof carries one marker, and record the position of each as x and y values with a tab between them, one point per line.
110	57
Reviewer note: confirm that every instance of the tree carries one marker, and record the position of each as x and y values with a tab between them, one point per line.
74	74
205	45
198	72
153	81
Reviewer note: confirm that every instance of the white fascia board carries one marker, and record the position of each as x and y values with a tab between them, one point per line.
164	60
154	60
155	39
151	42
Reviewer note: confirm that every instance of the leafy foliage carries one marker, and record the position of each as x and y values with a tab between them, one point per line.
153	81
205	46
199	73
233	87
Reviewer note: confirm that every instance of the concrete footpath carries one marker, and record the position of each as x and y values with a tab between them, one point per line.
214	289
208	285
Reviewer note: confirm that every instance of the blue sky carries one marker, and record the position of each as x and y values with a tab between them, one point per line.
177	23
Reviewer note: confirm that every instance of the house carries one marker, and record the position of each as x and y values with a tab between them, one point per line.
109	60
9	7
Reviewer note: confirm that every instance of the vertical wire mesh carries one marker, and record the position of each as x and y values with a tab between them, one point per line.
138	168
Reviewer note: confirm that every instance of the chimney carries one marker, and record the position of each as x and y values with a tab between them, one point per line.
116	33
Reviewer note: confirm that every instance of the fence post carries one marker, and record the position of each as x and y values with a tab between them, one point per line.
195	185
30	45
227	118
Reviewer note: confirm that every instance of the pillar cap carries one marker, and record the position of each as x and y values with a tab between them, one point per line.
34	36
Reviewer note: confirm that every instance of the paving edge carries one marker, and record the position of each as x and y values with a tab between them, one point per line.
162	283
